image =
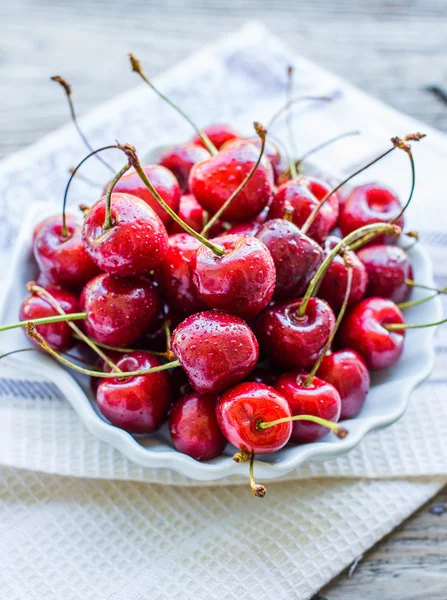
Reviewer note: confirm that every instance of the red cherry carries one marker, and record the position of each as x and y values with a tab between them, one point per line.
347	372
240	282
367	204
136	242
195	216
363	330
62	259
137	404
215	349
388	269
270	151
335	280
194	428
218	134
119	311
318	398
296	256
240	410
173	274
58	335
163	181
180	160
249	228
214	180
292	341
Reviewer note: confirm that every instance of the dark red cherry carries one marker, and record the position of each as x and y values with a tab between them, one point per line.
180	160
194	428
119	311
163	181
137	404
218	134
174	277
240	410
136	242
363	331
347	372
368	204
62	260
271	151
58	335
215	349
195	216
291	340
388	269
214	180
334	284
240	282
318	398
296	256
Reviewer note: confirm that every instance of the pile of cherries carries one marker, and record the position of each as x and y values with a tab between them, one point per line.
240	300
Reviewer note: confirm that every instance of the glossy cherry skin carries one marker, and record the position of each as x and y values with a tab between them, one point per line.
347	372
195	216
388	269
173	275
362	330
335	282
194	428
270	151
296	256
291	341
217	350
241	282
62	260
163	181
119	311
319	399
137	404
180	160
218	134
240	410
136	242
368	204
214	180
58	335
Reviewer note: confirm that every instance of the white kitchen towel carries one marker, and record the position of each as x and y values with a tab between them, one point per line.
62	537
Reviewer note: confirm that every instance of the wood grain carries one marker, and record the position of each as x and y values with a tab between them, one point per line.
393	49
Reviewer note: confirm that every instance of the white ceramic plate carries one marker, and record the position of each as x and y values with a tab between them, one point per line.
386	401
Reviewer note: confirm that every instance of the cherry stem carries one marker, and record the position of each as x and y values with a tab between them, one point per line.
324	144
376	228
45	320
42	352
134	161
411	303
340	316
259	490
67	88
289	121
122	350
136	67
85	179
412	283
296	99
262	133
340	432
400	326
108	218
31	331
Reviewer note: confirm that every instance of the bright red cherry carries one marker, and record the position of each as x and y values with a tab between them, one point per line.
296	256
270	151
215	349
240	282
137	404
180	160
58	335
240	410
119	311
291	340
368	204
174	277
195	216
136	242
218	134
318	398
214	180
347	372
388	269
194	428
163	181
363	331
335	281
62	259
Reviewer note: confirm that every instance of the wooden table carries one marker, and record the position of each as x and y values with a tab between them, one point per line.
393	49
